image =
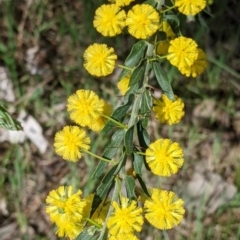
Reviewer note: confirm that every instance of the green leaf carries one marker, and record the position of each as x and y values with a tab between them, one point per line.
163	80
109	152
128	140
153	3
118	114
88	234
135	56
143	136
144	187
130	187
105	186
138	75
146	107
174	22
7	122
138	161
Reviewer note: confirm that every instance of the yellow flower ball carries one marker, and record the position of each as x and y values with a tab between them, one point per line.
164	210
126	218
70	142
109	20
190	7
99	59
65	209
168	111
198	67
164	157
85	107
142	21
182	52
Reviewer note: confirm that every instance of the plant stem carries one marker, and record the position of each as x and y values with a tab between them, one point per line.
96	156
94	223
114	198
139	94
115	121
124	67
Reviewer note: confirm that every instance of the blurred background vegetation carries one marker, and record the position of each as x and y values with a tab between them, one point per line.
41	46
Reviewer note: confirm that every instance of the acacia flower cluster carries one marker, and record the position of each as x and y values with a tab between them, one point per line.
111	212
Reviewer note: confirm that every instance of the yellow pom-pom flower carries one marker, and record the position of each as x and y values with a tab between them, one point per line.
142	21
121	3
123	84
190	7
99	59
98	124
84	107
198	66
182	52
70	142
164	157
126	218
164	210
65	208
109	20
168	111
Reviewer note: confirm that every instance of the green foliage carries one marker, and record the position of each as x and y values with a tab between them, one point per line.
7	122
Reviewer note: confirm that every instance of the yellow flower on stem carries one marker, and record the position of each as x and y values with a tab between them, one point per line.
126	218
168	111
190	7
109	20
84	107
182	52
142	21
65	208
121	3
99	59
123	84
164	210
198	66
98	124
164	157
70	142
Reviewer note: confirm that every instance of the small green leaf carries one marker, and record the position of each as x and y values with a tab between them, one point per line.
174	22
109	152
143	185
135	56
143	136
138	161
153	3
106	184
128	140
87	234
146	107
7	122
118	114
163	80
130	187
138	74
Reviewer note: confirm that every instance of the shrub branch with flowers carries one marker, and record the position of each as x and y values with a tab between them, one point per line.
122	200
